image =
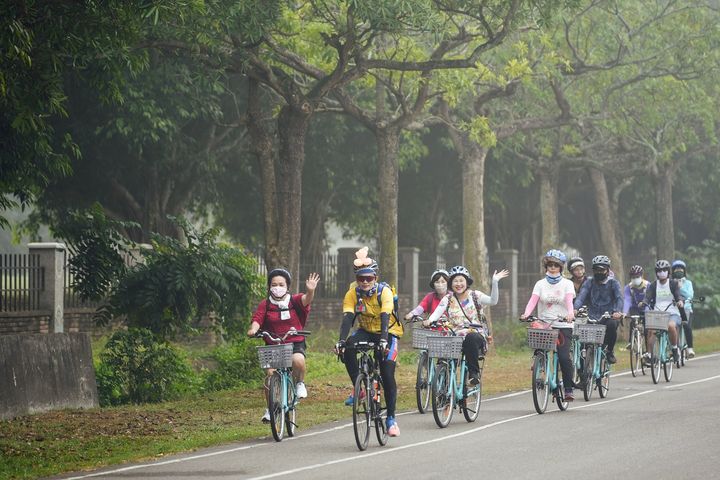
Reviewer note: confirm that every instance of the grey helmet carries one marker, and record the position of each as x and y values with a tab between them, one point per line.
601	261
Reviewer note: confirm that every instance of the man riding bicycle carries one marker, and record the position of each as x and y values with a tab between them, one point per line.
374	312
602	294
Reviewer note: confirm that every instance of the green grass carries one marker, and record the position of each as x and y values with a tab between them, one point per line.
70	440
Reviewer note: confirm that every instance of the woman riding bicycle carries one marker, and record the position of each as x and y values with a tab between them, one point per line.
576	267
439	284
374	310
634	294
602	294
553	297
664	294
687	293
279	313
466	306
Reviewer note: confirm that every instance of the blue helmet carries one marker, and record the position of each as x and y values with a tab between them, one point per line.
679	264
556	256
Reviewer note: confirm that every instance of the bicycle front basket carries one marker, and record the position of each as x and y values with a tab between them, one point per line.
445	347
589	333
657	320
542	339
275	356
419	337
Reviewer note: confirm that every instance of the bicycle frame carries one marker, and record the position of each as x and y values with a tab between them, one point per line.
370	407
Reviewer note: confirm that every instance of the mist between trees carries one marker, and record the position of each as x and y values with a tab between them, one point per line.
455	127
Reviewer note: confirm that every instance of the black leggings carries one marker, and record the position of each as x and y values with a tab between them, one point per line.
611	326
473	344
563	352
687	326
387	364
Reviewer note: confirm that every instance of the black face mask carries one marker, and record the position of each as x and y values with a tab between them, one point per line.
678	274
600	277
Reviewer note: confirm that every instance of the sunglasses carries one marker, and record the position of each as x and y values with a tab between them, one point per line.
365	279
553	265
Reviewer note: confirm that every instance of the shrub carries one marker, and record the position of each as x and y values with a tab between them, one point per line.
136	367
236	365
703	264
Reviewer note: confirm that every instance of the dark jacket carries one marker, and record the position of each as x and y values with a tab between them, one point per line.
600	297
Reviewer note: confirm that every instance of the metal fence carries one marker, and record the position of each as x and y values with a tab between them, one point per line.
21	281
72	297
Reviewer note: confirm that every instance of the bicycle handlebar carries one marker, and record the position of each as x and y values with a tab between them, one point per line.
274	338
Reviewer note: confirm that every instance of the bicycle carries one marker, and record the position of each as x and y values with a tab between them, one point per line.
368	405
426	365
282	400
447	393
637	344
597	368
657	321
545	365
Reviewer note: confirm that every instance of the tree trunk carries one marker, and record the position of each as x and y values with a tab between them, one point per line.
664	223
609	226
388	144
549	208
313	227
292	128
261	145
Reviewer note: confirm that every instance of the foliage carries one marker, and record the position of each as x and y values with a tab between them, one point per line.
703	264
236	365
136	367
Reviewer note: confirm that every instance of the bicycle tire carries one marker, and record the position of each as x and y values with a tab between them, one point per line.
422	382
292	410
380	414
275	406
635	354
361	411
471	398
668	366
603	383
642	343
443	395
540	390
683	347
589	380
655	359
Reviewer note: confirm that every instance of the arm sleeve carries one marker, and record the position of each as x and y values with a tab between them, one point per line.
440	309
628	300
532	303
569	301
618	307
384	323
494	295
346	325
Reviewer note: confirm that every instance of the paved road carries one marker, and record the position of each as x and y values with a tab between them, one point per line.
641	431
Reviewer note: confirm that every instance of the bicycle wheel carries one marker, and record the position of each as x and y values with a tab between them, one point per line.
422	382
589	380
655	359
603	383
292	409
275	406
641	343
540	388
379	413
668	366
472	398
361	411
635	353
443	395
682	346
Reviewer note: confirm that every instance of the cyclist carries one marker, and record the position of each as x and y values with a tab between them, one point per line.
553	296
374	325
634	294
664	294
576	267
439	284
686	292
603	294
466	306
279	313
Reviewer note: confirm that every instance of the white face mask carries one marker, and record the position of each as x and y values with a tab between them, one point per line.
662	275
636	282
278	292
441	288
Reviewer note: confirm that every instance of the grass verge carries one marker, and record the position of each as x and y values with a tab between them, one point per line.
72	440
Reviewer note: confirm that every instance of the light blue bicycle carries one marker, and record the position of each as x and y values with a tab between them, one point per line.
426	364
661	353
545	366
450	386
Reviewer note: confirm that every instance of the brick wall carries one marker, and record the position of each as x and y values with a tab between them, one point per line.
24	322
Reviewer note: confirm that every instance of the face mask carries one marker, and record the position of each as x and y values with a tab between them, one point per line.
600	277
662	275
636	282
678	274
441	288
278	292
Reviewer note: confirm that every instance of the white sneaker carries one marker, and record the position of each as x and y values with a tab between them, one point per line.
691	353
300	390
266	416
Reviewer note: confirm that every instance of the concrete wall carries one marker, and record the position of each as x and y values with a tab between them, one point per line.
46	372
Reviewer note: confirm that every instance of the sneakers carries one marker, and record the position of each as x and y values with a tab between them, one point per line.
646	359
611	357
675	353
349	401
266	416
474	379
300	390
690	352
569	395
392	427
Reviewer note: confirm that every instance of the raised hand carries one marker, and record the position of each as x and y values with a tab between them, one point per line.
497	276
312	281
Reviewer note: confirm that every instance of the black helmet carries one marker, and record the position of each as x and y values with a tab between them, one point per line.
279	272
